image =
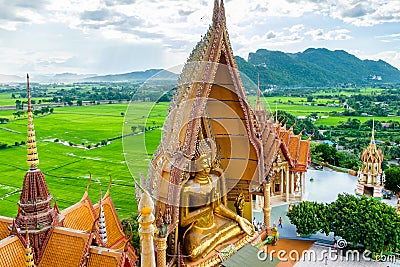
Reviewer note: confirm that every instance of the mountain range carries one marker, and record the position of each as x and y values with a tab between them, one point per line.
313	67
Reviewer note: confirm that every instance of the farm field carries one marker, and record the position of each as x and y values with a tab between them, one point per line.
67	168
297	107
335	120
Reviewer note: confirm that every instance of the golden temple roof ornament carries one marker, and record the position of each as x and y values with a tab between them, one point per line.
102	222
215	13
373	132
32	155
28	250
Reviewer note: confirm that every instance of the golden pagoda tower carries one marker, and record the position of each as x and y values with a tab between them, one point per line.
215	150
32	156
370	176
35	215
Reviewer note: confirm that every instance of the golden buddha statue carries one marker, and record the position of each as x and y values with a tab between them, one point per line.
205	219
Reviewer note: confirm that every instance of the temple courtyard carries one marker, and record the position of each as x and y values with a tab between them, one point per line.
325	187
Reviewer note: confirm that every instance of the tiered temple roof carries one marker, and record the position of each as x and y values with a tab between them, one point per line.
276	136
210	103
67	238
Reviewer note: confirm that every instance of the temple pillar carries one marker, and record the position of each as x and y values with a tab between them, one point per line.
287	184
292	185
146	231
267	205
303	185
281	187
161	245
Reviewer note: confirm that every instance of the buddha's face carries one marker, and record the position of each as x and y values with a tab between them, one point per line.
205	163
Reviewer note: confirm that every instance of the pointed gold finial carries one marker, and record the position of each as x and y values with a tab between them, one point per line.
28	252
32	155
222	17
215	13
109	187
373	131
276	112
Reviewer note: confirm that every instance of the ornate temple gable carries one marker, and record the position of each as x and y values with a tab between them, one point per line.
115	233
208	87
80	216
304	158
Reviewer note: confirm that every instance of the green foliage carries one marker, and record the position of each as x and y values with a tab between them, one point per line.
327	153
4	120
131	224
364	220
348	160
309	217
392	182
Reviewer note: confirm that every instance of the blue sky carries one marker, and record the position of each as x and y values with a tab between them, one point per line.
112	36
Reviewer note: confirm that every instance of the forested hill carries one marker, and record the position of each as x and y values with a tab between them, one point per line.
315	67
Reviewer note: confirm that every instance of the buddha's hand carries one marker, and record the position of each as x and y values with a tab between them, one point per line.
247	227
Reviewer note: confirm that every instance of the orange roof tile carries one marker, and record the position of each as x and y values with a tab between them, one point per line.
294	145
104	257
115	235
4	223
80	216
12	252
304	152
66	247
284	136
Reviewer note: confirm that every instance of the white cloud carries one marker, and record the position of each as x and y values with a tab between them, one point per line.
390	56
172	27
320	34
297	28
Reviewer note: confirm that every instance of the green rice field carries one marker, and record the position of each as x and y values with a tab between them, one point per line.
67	167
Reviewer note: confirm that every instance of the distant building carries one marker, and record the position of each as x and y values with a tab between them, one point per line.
371	176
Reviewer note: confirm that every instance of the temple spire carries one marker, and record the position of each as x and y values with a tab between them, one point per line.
32	155
373	131
215	13
102	222
222	11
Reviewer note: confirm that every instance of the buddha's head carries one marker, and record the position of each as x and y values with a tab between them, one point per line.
204	163
203	157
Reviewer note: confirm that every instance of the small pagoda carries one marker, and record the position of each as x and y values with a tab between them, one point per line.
371	176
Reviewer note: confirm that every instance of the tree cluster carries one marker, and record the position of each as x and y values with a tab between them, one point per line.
358	220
